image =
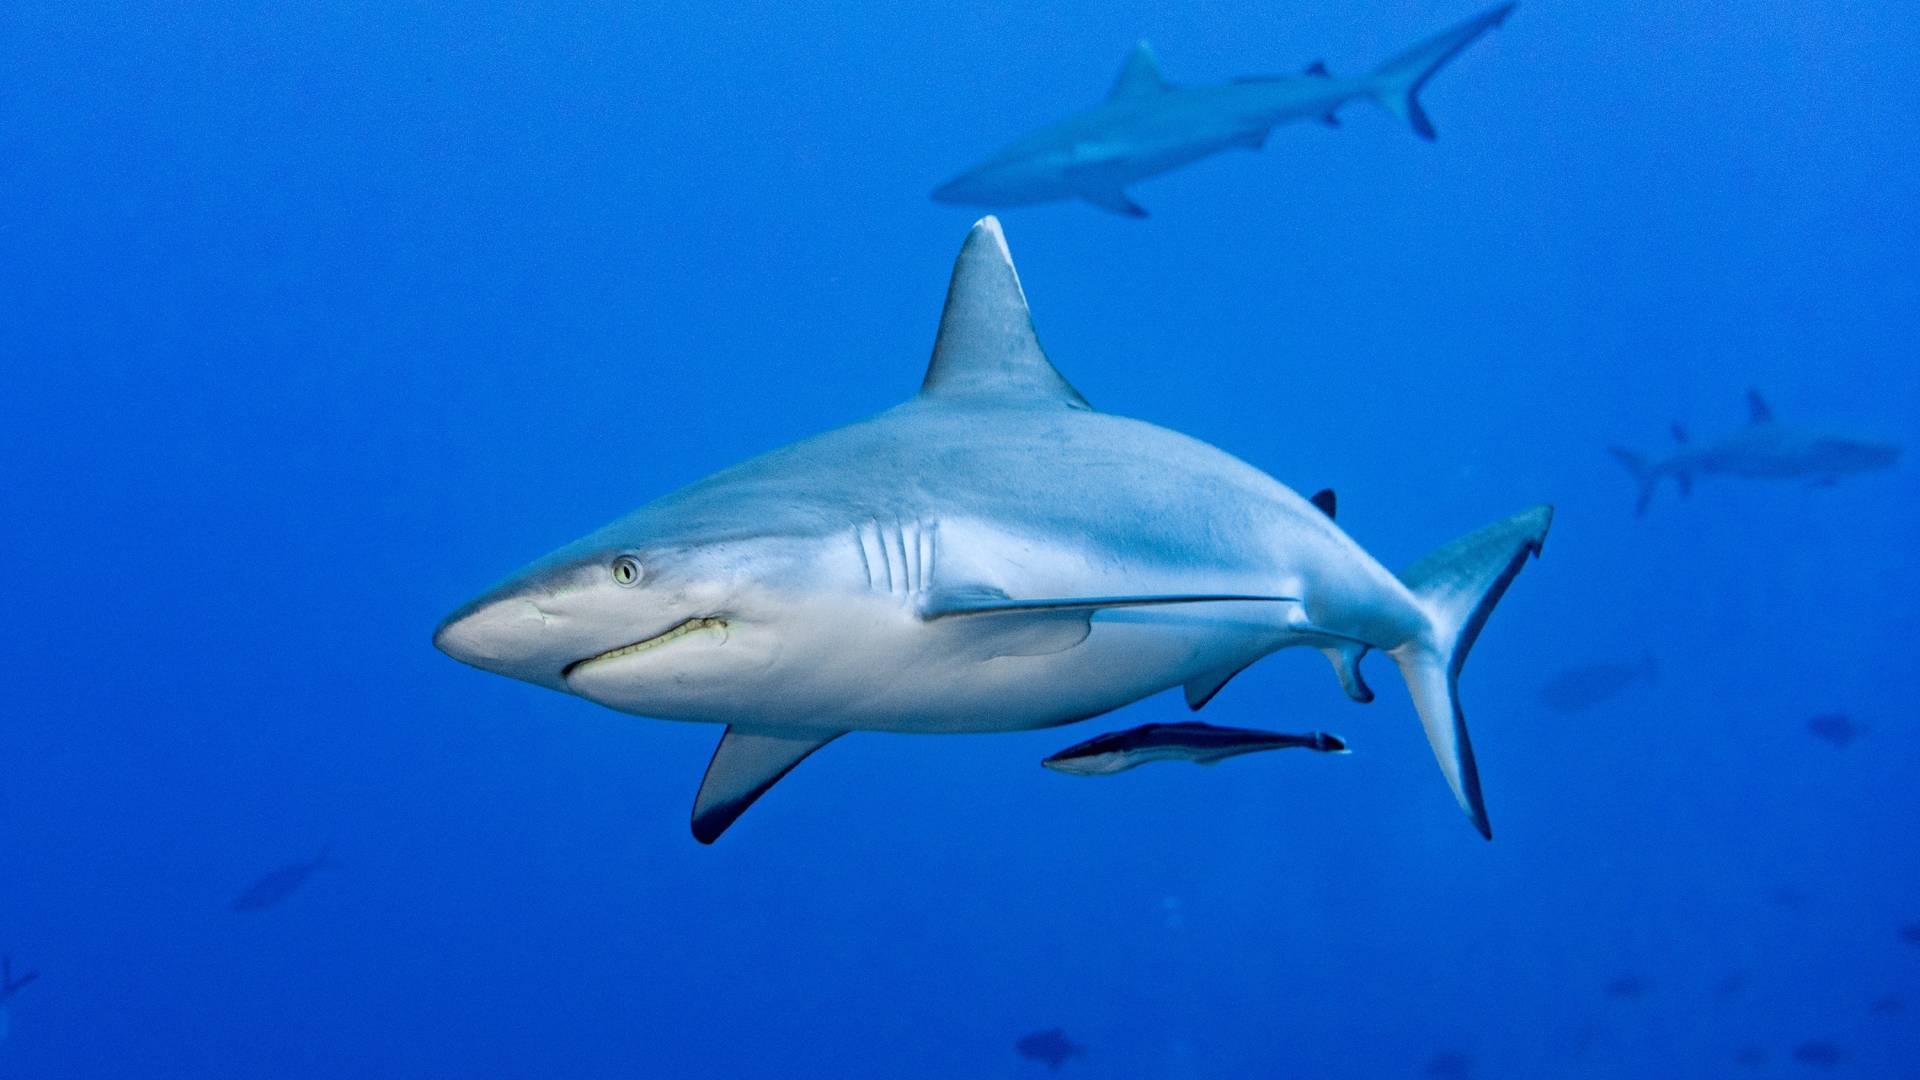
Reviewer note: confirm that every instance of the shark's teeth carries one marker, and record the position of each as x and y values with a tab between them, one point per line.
691	626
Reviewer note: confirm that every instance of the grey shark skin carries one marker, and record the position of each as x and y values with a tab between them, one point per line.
1763	450
1147	126
1202	744
992	555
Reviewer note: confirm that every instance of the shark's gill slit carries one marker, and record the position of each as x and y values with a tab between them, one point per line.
691	626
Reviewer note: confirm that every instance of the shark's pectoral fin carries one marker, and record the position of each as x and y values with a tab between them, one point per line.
1202	689
1111	198
1041	627
947	603
744	766
1253	140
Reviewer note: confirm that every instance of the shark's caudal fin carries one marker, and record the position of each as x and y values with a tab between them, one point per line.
1647	475
1457	586
1397	82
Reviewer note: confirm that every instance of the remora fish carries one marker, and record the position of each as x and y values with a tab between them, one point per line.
1202	744
1763	450
277	885
1148	126
992	555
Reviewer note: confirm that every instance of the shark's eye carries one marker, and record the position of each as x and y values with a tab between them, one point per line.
626	570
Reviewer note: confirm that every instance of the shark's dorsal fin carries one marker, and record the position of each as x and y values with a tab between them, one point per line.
986	349
744	766
1325	500
1318	70
1139	76
1758	411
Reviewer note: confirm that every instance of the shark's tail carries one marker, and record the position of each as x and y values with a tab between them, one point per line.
1397	83
1457	587
1647	475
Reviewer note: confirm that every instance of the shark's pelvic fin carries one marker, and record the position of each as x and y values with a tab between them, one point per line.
1202	690
1111	199
1458	586
1758	411
1139	77
986	349
1397	83
1325	500
744	766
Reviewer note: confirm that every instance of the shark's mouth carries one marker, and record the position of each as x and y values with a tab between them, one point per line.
691	626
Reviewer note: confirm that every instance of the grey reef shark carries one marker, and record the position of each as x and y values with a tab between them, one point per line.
991	555
1763	450
1148	126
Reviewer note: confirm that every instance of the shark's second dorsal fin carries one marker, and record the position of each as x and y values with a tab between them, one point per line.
1758	411
986	350
1139	76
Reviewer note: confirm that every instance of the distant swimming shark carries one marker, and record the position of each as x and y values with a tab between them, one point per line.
1148	126
1202	744
992	555
1763	450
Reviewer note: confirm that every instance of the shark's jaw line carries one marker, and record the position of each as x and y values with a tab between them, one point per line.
690	626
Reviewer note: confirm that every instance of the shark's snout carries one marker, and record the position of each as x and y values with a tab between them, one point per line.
493	633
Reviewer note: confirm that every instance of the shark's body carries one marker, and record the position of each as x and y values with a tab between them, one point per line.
1202	744
992	555
1763	450
1148	126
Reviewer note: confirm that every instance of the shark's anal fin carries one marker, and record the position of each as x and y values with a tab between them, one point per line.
1346	664
986	350
744	766
1326	501
1758	411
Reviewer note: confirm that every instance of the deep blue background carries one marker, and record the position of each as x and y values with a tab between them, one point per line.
314	322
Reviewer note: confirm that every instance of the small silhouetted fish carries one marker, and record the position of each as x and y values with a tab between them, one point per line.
1051	1047
1891	1005
1730	985
1819	1052
277	885
9	985
1203	744
1582	687
1910	933
1628	988
1451	1064
1751	1056
1836	728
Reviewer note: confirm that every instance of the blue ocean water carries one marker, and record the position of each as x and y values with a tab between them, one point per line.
316	319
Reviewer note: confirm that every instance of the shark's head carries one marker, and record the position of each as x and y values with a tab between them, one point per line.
1011	180
636	620
1843	455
